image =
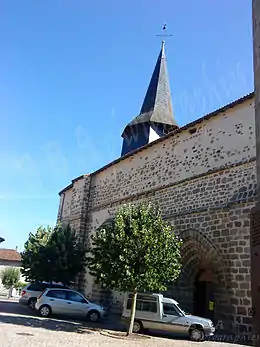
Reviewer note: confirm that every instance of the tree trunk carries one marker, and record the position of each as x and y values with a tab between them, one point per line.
10	291
130	330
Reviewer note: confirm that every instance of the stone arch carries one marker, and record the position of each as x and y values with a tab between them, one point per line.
198	250
201	262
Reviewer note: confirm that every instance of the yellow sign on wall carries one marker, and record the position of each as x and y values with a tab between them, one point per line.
211	305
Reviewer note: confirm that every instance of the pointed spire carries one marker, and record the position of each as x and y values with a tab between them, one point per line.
162	49
157	104
155	118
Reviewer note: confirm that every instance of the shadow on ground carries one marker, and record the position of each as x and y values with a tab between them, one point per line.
11	312
50	324
12	306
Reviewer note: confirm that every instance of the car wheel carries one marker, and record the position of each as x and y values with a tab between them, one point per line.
137	327
93	316
31	303
197	334
45	311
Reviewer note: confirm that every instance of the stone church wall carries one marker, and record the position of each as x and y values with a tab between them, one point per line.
204	179
223	140
224	222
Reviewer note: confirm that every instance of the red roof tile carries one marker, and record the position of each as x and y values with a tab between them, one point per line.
9	254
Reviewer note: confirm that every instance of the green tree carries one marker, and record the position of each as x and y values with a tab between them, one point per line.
35	258
20	285
53	255
9	277
136	251
68	254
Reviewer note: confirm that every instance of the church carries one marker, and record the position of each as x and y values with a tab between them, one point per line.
203	176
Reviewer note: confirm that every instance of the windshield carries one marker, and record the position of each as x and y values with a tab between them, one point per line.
180	310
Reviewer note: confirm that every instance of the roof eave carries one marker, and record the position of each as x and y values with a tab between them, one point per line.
72	182
179	130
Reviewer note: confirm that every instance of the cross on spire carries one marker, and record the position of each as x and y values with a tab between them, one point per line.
155	118
164	34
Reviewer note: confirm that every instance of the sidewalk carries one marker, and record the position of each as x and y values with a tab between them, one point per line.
25	336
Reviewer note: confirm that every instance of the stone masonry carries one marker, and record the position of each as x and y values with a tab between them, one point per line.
203	176
255	215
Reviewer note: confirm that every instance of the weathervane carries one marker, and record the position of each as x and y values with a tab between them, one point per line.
164	33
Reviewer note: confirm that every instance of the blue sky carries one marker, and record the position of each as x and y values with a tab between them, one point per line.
73	73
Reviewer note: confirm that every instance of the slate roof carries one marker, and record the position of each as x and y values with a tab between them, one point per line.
9	255
157	104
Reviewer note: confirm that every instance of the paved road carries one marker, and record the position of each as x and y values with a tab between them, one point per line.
12	312
23	328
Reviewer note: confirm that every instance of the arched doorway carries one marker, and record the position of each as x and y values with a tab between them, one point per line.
204	294
202	286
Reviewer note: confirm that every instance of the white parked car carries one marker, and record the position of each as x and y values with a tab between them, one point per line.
155	312
68	302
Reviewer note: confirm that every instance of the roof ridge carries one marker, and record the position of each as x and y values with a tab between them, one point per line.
185	127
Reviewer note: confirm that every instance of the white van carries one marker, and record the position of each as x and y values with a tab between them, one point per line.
155	312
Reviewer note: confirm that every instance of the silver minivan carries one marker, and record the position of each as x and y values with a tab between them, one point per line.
31	291
70	303
155	312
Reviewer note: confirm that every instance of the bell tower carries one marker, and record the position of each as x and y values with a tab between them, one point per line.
156	117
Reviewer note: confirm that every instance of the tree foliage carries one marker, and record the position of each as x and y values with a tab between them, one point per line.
20	285
53	255
10	277
35	255
135	251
